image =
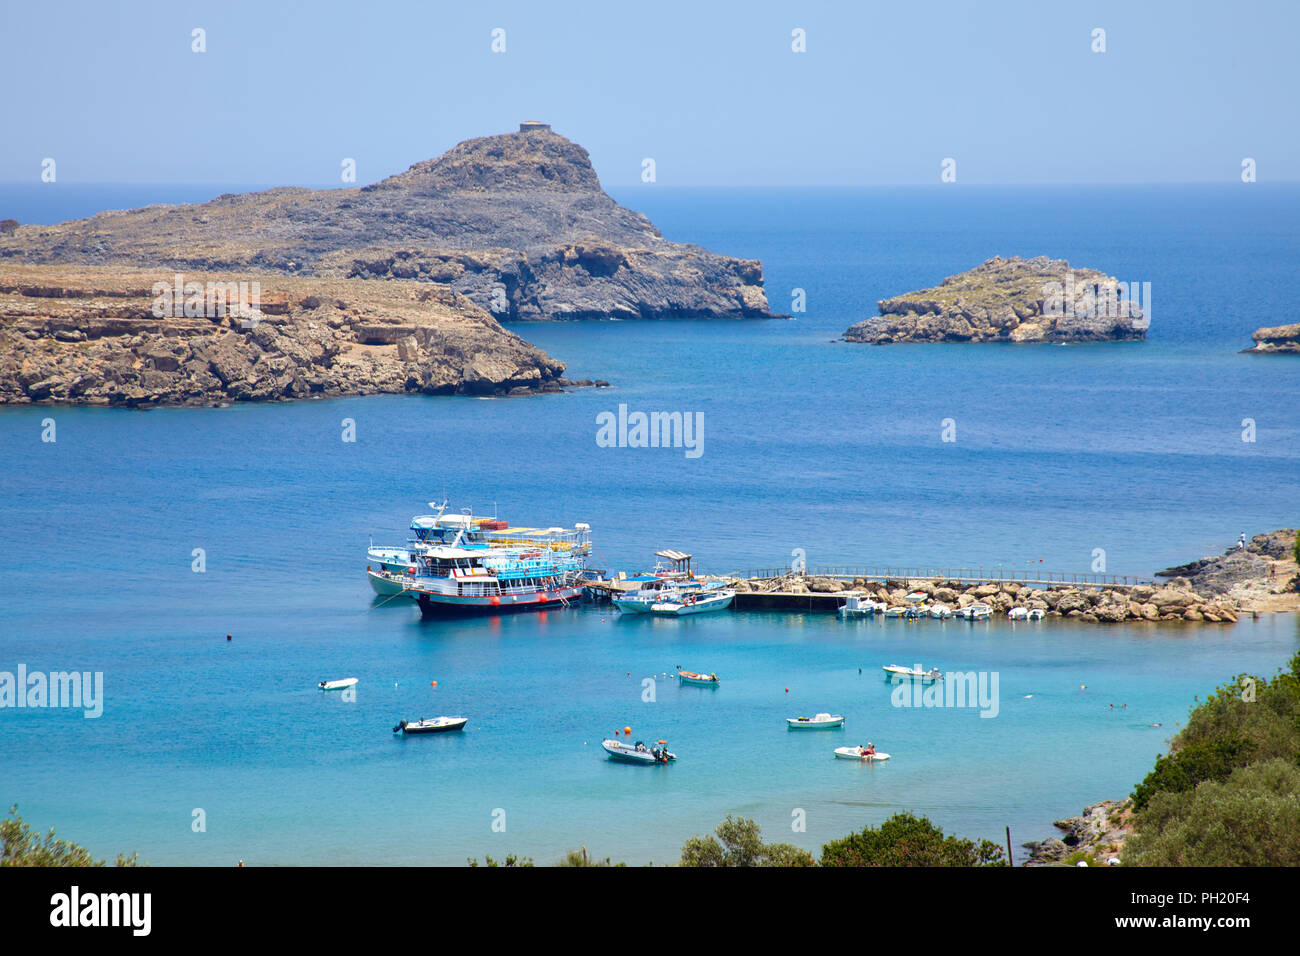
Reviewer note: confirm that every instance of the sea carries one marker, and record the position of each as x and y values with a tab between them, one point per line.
133	543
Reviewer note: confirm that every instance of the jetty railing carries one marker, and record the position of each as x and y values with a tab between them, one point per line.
883	572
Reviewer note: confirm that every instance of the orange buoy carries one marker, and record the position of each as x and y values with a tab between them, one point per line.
433	683
627	731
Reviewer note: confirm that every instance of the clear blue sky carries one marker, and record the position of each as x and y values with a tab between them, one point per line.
711	91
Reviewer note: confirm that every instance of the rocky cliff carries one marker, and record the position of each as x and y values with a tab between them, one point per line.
1262	576
1009	300
95	336
1277	340
518	223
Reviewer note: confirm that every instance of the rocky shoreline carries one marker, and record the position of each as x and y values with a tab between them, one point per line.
1010	300
1098	834
92	336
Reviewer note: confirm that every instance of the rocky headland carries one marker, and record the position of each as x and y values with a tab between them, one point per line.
517	223
1276	340
93	336
1009	300
1262	576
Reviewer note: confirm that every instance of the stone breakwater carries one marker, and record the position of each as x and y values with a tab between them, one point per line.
75	335
1106	604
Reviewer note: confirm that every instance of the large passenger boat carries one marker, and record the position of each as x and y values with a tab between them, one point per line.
459	563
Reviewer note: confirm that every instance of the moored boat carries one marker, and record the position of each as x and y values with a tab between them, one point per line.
431	725
343	684
975	612
694	602
638	752
702	680
896	673
1018	614
816	722
856	606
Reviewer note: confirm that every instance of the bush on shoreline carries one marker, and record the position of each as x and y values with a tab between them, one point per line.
19	846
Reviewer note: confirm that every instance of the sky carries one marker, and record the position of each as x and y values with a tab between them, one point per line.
713	92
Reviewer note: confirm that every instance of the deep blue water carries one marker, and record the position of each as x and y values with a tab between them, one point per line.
812	444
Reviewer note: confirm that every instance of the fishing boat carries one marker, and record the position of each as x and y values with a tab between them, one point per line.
858	753
975	612
694	602
338	684
856	606
896	673
702	680
816	722
431	725
638	752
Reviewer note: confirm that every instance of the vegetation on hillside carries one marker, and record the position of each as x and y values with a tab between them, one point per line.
19	846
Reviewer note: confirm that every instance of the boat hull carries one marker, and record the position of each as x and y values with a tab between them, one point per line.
419	729
384	586
437	605
697	680
852	753
795	724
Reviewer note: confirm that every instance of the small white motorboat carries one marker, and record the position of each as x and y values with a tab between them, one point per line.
856	606
694	602
859	753
431	725
338	684
816	722
896	611
975	612
638	752
1018	614
940	611
1036	614
896	673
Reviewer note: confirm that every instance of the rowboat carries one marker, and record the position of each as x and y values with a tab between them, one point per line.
817	722
858	753
338	684
703	680
431	725
637	753
896	673
694	602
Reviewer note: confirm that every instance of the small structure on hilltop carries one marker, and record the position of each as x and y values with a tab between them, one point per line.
529	126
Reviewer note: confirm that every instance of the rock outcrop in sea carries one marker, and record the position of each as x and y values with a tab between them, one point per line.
1276	340
94	337
1010	300
1099	833
517	223
1262	576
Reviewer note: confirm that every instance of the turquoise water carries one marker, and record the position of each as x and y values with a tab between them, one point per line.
808	444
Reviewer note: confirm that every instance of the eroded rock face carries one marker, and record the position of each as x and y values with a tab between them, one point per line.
1009	300
518	223
1248	575
91	336
1277	340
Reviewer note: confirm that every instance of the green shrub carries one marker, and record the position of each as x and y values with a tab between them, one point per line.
19	846
905	840
1250	819
739	842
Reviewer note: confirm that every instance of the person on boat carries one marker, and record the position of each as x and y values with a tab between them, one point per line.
869	750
